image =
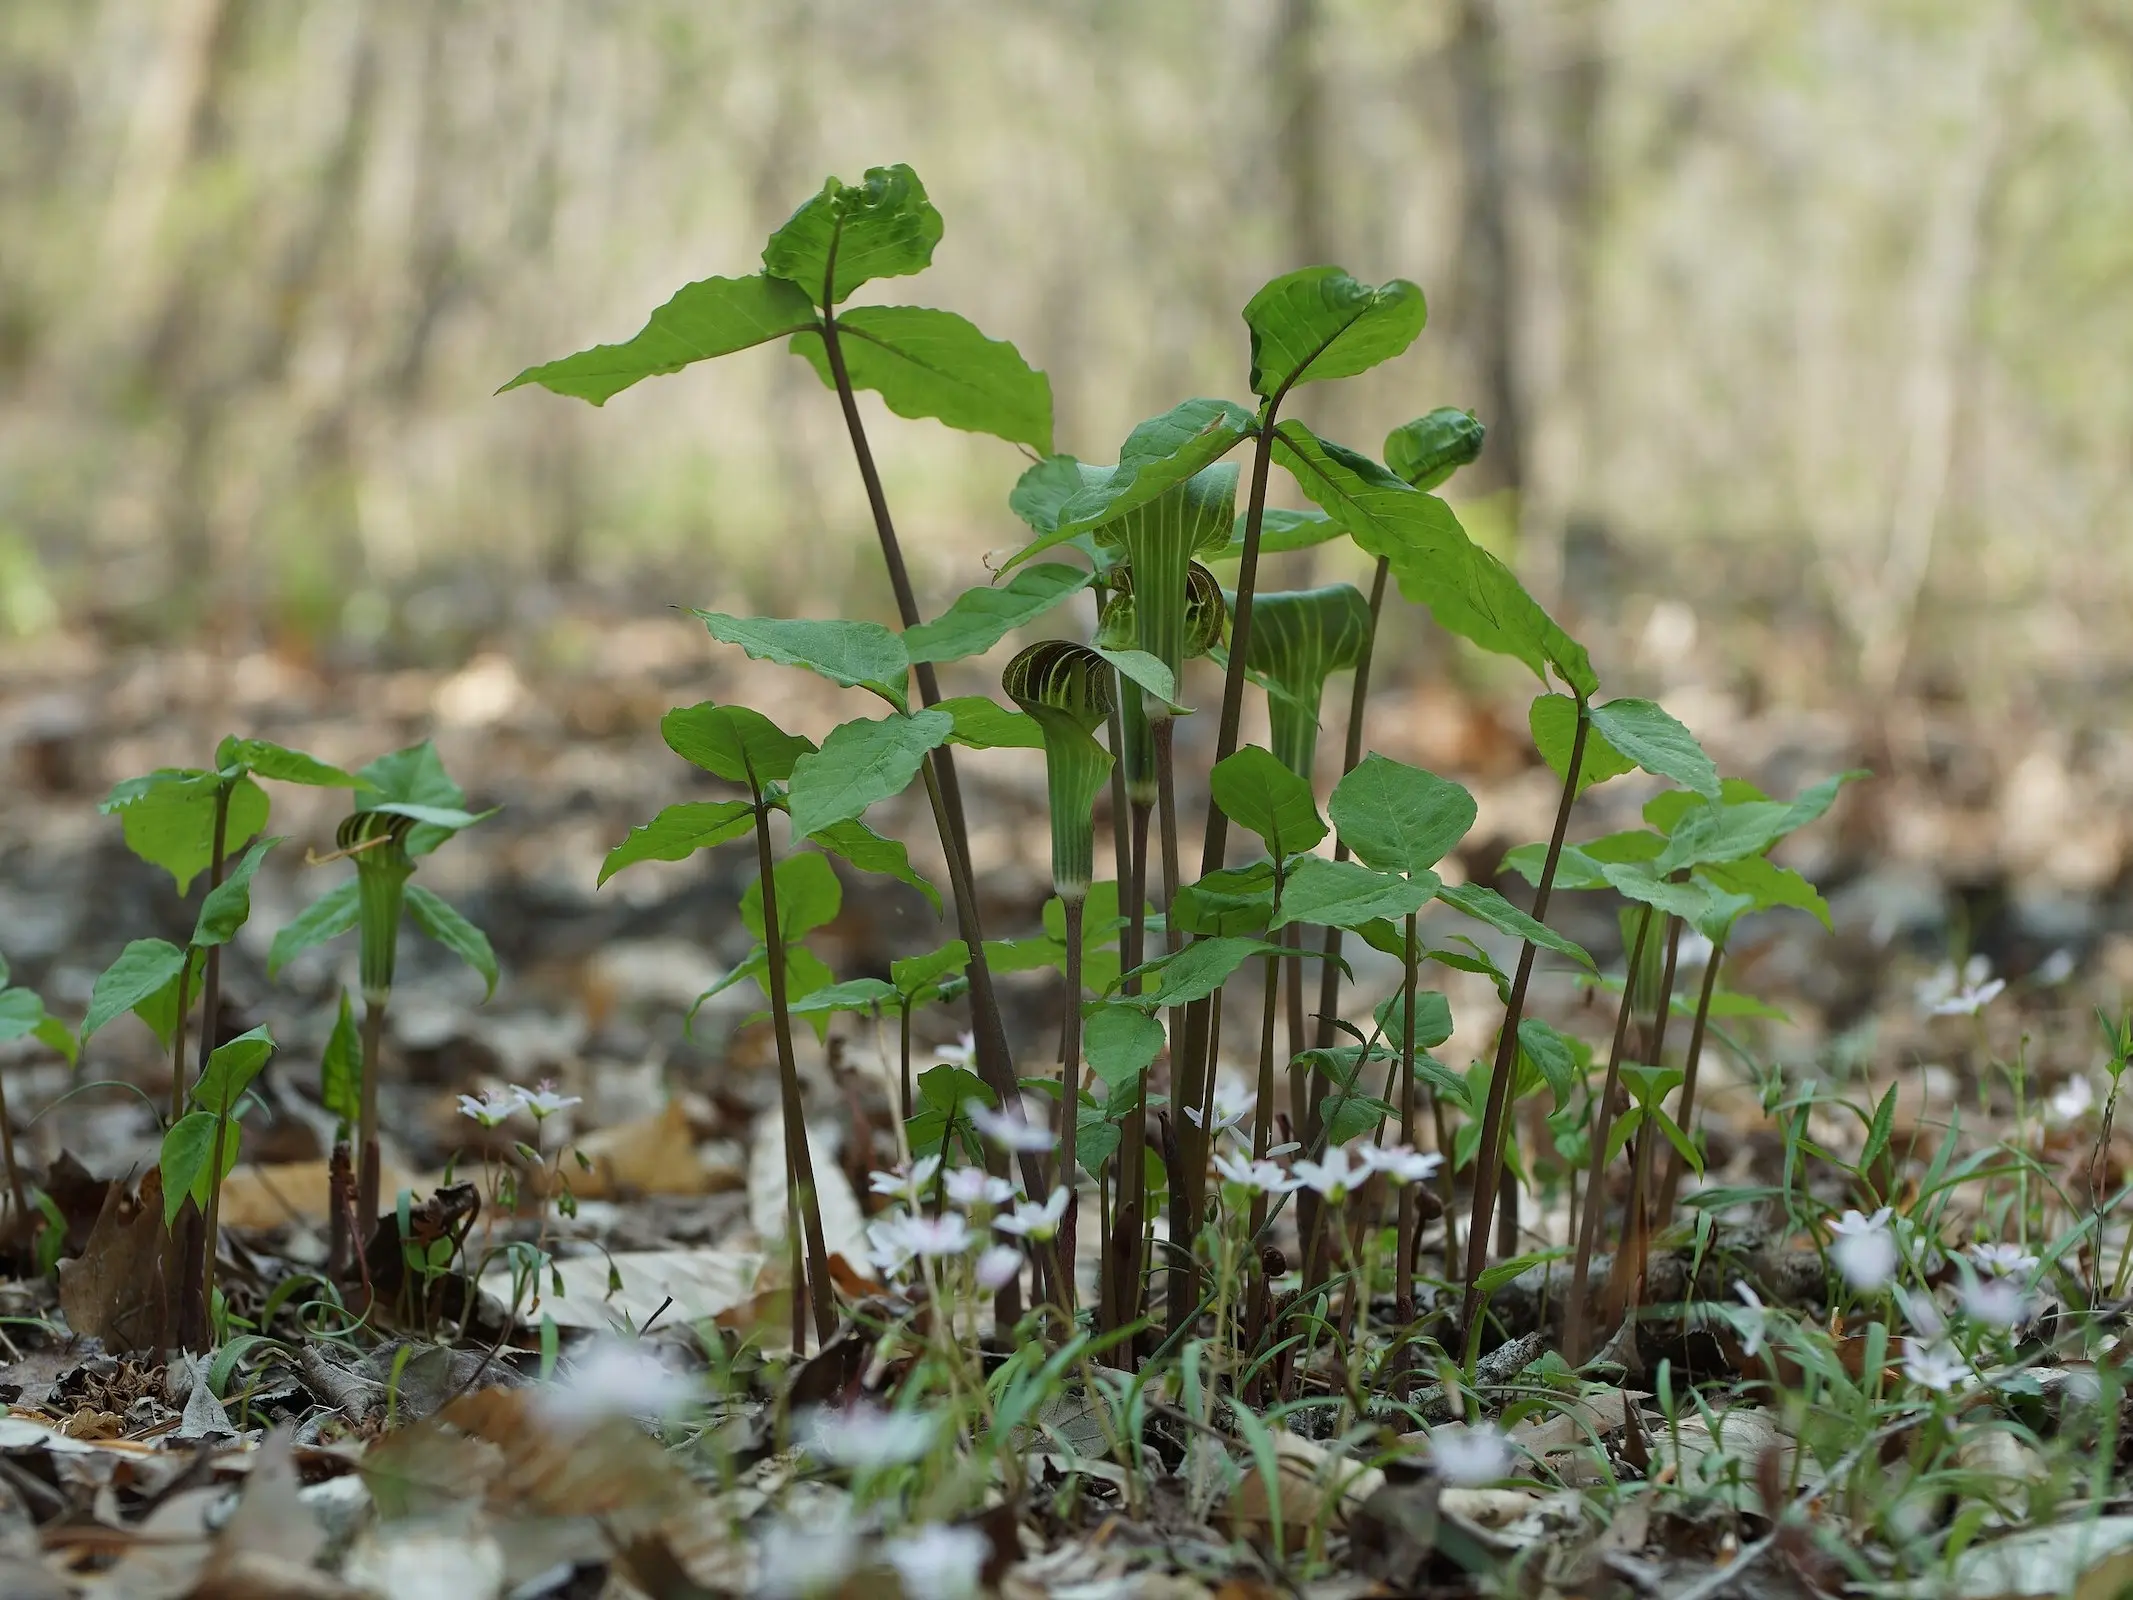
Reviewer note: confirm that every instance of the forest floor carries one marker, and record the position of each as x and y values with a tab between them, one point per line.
412	1461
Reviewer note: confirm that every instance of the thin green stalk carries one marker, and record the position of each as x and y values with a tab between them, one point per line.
1070	1102
903	1043
1603	1117
1670	1189
16	1192
196	1246
995	1061
1404	1272
1630	1256
1489	1153
1263	1113
1122	1273
178	1084
798	1159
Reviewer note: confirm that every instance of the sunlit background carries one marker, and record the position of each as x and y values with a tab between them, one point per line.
1814	312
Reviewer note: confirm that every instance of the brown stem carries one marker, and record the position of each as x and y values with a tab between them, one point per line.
1403	1284
1603	1118
178	1084
196	1251
1329	977
368	1179
1122	1267
1670	1189
798	1159
1070	1103
1489	1153
1263	1113
1629	1263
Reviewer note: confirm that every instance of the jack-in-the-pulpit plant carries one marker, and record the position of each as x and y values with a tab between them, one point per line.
1150	953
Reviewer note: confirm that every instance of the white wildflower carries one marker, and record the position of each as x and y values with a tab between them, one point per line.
1754	1338
1332	1177
544	1102
867	1437
945	1235
1947	994
1921	1311
616	1378
1469	1455
997	1266
905	1181
1007	1130
2003	1260
801	1560
1232	1105
2072	1100
939	1562
1035	1221
1864	1249
1933	1366
974	1186
887	1247
1263	1177
1400	1163
492	1106
1996	1302
2055	968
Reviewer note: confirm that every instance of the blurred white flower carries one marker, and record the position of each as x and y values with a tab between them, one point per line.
2003	1260
544	1102
997	1266
1332	1177
974	1186
1922	1313
1949	994
1232	1105
886	1246
1287	1148
1034	1221
616	1378
945	1235
2055	968
1262	1176
961	1053
1007	1130
491	1107
2072	1100
1996	1302
906	1181
939	1562
1752	1341
800	1560
865	1436
1400	1163
1469	1455
1933	1366
1864	1249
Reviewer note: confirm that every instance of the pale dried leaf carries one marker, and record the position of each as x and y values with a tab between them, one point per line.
843	1223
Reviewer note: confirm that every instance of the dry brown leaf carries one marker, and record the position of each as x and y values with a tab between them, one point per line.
117	1289
602	1471
651	1155
269	1195
1570	1426
843	1223
1316	1486
702	1284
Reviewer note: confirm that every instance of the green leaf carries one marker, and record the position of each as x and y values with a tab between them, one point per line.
141	969
56	1035
1346	894
413	783
1486	905
1121	1042
1041	495
1553	719
265	759
854	994
712	317
862	655
341	1068
1204	966
1428	450
1158	455
169	819
188	1157
1259	794
1351	1115
1399	818
730	742
444	924
881	227
1637	881
860	763
1433	1019
1319	323
229	903
980	618
809	897
913	974
328	917
928	364
231	1069
943	1091
1096	1137
1554	1056
1280	530
20	1012
1659	744
679	831
984	724
1234	900
870	852
1141	668
1506	1273
1770	886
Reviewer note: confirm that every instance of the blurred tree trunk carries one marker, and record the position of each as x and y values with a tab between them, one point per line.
1486	280
1298	85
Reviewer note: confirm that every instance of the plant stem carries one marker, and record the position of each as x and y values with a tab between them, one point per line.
1404	1269
211	1233
16	1192
1630	1255
1195	1061
798	1160
197	1249
1489	1153
1070	1103
1603	1117
1263	1114
1670	1188
368	1177
1329	977
995	1062
903	1042
178	1084
1122	1269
